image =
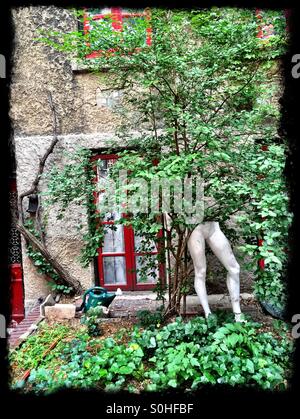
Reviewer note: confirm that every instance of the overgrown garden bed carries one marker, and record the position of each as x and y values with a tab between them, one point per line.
185	354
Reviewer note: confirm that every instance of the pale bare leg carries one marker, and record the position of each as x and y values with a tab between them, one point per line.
196	246
221	247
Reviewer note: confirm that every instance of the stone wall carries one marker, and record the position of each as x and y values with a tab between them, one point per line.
86	117
39	68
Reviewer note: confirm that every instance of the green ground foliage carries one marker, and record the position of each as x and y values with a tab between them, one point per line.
180	354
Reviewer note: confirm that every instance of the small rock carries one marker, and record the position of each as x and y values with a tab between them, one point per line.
246	296
60	311
119	313
49	301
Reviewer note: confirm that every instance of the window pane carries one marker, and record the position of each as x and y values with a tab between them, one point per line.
134	30
127	10
114	239
114	270
94	11
140	245
106	200
104	166
146	273
130	28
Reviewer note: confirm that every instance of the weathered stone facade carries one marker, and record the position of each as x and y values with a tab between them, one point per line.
86	117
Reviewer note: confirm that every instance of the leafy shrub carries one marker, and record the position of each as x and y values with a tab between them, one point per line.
149	318
92	319
195	330
232	354
111	367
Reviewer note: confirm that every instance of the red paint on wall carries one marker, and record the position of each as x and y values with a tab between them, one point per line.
16	292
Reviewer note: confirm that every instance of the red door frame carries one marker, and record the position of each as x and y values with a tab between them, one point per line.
129	250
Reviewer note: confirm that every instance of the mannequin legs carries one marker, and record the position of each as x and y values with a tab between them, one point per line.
221	247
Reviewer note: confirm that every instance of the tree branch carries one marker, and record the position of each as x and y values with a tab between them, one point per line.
68	279
34	186
29	237
234	94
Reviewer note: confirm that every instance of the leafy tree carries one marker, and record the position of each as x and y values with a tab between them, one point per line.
194	103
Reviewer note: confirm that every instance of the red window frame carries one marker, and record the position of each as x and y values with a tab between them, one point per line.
267	31
117	14
129	252
264	31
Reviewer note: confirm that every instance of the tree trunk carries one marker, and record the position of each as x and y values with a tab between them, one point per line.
67	278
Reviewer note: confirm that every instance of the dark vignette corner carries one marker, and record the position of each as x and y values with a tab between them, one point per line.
290	129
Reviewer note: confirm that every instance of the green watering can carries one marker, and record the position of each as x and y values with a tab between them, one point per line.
97	296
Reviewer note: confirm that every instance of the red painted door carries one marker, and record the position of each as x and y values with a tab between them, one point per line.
16	292
15	259
121	264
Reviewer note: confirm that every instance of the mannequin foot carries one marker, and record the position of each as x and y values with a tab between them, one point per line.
207	314
239	318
